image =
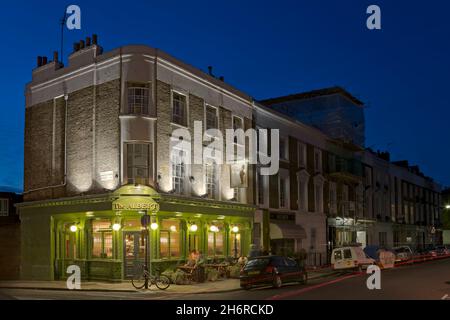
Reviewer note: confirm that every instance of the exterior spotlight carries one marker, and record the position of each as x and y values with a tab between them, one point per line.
154	226
173	228
235	229
447	206
73	228
194	228
116	226
214	229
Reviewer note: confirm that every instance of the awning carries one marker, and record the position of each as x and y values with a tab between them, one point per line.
286	231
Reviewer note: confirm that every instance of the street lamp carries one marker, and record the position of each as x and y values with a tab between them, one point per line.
235	230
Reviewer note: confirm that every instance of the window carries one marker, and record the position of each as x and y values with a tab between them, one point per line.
333	198
382	239
317	160
178	171
179	109
301	155
210	178
283	149
169	239
138	163
283	193
215	243
261	191
102	242
318	196
211	118
138	99
4	207
347	254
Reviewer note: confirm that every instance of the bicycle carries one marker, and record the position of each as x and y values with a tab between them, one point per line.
144	279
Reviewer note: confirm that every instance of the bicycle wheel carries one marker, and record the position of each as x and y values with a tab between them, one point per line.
162	282
139	279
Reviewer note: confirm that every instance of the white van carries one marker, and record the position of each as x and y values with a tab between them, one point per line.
350	258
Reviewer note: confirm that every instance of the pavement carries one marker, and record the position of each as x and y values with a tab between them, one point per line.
219	286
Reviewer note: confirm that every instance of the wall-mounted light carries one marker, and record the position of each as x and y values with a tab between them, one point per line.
73	228
235	229
193	227
116	226
214	228
173	228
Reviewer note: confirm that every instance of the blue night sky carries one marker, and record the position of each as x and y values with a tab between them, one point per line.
266	49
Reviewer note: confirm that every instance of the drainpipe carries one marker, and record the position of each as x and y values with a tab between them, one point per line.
66	98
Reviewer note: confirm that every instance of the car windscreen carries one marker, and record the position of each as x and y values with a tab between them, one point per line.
257	263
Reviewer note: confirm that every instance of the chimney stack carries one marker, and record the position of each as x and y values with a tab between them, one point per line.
39	61
81	44
44	61
88	41
94	39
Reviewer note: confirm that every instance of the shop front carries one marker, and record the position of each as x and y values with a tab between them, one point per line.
104	236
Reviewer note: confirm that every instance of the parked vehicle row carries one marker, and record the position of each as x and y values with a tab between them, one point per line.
354	257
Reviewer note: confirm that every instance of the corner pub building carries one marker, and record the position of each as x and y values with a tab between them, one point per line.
97	139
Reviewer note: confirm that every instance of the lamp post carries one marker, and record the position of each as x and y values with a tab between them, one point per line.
145	220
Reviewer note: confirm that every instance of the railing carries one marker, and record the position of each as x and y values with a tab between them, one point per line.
316	259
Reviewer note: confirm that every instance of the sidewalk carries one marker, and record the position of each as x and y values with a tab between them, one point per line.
125	286
226	285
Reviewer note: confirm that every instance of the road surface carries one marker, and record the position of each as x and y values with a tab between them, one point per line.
430	280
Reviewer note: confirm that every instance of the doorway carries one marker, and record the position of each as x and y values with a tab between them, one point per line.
133	253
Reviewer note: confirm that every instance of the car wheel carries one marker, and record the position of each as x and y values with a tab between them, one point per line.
277	282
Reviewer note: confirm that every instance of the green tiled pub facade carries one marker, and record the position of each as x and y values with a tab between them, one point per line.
103	234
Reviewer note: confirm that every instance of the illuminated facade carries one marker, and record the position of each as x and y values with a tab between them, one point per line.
97	150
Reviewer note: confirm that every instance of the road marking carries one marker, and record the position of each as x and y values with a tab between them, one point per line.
444	297
320	285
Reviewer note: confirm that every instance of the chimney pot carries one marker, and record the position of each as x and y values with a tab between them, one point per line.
94	39
76	47
221	78
55	56
88	41
39	61
210	70
81	44
44	61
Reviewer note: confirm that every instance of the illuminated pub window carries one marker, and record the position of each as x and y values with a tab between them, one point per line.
169	239
102	241
70	243
215	242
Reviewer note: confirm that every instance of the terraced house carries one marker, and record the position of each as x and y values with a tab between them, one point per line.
98	155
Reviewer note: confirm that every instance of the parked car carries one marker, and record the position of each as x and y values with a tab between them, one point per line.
403	254
350	258
271	270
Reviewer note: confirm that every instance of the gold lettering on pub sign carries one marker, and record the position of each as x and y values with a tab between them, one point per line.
136	206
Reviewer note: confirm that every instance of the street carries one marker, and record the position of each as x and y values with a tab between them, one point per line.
430	280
